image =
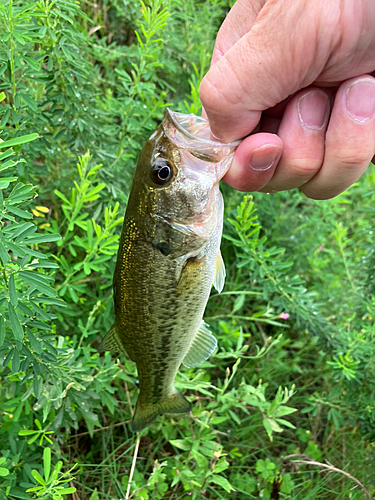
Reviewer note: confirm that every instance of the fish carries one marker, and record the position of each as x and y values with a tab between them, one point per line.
168	259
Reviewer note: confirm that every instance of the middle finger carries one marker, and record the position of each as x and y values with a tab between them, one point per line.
302	130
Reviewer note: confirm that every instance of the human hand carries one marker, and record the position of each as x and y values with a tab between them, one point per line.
271	60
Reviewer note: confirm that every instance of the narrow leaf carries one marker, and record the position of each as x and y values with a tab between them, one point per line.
18	140
38	284
35	344
12	291
2	330
16	361
47	462
4	256
45	238
19	212
15	323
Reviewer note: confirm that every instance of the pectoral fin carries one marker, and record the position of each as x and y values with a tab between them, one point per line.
219	276
203	345
111	341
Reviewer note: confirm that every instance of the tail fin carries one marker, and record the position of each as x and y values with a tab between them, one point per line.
144	415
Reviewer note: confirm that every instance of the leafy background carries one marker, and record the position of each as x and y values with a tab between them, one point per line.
285	407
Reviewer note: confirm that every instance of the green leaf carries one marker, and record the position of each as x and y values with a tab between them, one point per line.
285	422
67	491
284	410
4	472
47	463
181	443
37	283
5	257
18	493
15	323
7	164
91	194
2	330
19	38
61	196
27	432
45	279
45	264
223	482
16	361
201	460
19	212
45	315
8	357
45	238
5	117
94	495
16	249
38	477
39	489
18	140
6	154
35	344
4	183
24	230
64	16
30	102
221	466
33	64
12	291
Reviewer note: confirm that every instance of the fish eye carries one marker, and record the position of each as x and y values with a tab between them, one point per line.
162	171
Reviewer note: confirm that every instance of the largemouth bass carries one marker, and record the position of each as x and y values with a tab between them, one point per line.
168	259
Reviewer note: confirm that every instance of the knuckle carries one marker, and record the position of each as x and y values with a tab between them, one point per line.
303	168
215	89
209	94
352	159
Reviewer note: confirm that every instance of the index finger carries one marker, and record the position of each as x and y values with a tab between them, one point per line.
264	67
238	22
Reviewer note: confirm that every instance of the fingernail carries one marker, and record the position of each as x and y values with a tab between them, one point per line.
360	99
313	109
264	157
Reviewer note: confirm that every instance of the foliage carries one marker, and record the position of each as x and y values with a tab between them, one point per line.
82	85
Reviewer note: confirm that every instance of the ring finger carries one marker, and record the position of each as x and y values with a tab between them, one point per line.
350	139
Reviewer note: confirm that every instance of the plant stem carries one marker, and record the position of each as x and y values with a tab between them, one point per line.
127	496
12	73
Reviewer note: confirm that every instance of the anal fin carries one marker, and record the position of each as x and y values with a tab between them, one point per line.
203	345
111	341
219	276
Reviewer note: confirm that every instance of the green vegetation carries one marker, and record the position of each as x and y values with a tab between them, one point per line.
286	406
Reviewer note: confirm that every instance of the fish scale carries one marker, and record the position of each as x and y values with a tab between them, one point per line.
168	259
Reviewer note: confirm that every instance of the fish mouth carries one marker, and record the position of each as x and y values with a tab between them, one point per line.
193	133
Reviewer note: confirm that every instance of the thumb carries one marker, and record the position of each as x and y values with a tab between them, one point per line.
280	54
